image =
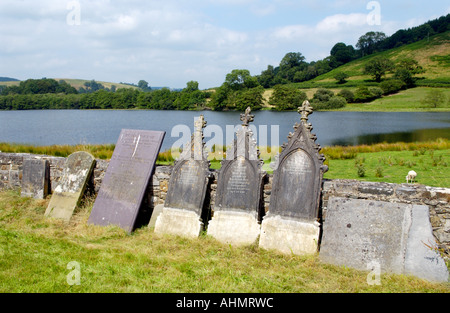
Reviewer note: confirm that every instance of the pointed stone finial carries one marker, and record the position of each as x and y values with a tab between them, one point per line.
305	110
246	117
200	123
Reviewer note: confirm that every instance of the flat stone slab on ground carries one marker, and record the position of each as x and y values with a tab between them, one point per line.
126	179
395	235
67	195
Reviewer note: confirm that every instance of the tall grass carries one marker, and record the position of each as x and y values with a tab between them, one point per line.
36	250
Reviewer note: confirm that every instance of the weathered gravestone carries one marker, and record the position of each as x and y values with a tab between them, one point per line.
123	188
184	211
291	225
396	236
35	178
238	205
67	195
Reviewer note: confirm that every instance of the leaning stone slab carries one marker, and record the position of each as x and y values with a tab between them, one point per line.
396	236
67	195
35	178
126	179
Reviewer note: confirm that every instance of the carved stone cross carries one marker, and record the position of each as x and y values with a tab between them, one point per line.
246	117
200	123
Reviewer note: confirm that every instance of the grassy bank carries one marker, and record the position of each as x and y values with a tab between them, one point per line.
35	253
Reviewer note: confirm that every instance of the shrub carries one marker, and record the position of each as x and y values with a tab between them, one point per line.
347	94
366	94
391	86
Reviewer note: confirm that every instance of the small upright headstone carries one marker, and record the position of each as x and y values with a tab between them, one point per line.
291	225
238	205
121	195
35	178
184	211
67	195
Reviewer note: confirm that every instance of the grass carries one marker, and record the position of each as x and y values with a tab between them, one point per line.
36	252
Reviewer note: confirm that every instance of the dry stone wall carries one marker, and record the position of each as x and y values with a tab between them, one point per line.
437	199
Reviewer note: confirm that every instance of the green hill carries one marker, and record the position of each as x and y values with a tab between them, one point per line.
432	54
77	83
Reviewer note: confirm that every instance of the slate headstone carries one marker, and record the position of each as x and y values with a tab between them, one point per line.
397	236
238	205
126	179
184	210
35	178
67	195
292	224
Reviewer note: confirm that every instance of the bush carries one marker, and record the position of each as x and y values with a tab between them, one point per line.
366	94
391	86
347	94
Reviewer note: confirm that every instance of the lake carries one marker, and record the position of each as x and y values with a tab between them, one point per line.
49	127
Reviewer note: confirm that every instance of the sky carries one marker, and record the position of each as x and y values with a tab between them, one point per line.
168	42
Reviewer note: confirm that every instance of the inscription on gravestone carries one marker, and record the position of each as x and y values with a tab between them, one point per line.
67	195
185	211
126	179
35	178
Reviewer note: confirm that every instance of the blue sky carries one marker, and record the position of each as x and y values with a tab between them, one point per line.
168	42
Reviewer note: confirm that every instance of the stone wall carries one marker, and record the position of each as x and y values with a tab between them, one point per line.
436	198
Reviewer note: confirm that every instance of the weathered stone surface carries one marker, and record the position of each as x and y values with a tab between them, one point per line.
35	178
359	232
298	174
126	179
289	236
234	227
67	195
178	222
155	213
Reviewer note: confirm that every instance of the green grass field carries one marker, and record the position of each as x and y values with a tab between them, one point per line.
38	255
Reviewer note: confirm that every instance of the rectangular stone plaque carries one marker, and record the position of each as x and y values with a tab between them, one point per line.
395	236
35	178
126	179
67	195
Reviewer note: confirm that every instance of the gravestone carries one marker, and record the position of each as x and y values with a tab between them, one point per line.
292	222
238	205
396	236
35	178
67	195
121	195
184	211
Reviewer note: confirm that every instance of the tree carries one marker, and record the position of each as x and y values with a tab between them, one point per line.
239	79
378	67
342	53
191	86
367	43
291	63
434	97
143	85
406	68
286	98
266	78
341	77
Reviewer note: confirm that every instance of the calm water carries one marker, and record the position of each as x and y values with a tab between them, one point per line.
48	127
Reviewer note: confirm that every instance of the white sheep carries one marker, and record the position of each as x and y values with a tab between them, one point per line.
411	176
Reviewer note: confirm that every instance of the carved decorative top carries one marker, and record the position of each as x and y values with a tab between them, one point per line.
305	110
200	123
246	117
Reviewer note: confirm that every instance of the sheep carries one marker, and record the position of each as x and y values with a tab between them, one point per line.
411	176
